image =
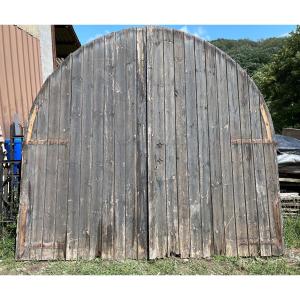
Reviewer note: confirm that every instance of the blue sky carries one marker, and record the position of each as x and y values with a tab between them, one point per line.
87	33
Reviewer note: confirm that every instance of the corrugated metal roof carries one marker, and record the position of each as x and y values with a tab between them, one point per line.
20	74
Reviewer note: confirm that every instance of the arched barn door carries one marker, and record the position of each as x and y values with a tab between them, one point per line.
149	143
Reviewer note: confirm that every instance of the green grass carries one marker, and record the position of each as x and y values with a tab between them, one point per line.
218	265
292	232
167	266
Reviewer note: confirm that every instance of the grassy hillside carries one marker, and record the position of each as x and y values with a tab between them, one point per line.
249	54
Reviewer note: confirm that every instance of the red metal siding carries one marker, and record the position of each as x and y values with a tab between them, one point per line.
20	74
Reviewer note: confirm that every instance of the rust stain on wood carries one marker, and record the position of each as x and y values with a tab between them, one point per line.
266	122
31	123
252	141
48	142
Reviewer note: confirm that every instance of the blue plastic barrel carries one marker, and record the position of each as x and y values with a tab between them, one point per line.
17	154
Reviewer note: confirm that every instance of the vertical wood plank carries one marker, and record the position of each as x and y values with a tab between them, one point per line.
97	154
75	154
86	153
156	145
40	175
248	165
121	150
141	163
192	148
131	145
181	146
226	161
64	113
271	168
27	190
203	140
237	160
170	127
214	151
260	176
108	183
51	167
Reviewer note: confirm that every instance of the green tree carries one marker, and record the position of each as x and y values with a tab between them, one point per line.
251	55
279	82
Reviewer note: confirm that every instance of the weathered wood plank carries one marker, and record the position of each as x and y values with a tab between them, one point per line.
108	183
25	216
248	163
214	151
192	148
130	123
226	160
120	148
170	128
39	178
141	156
203	140
237	159
156	142
260	175
63	161
181	147
97	149
51	167
75	154
271	168
86	154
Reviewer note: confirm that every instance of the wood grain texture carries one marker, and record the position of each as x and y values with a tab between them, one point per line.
226	157
86	153
203	141
75	154
130	147
181	147
97	175
121	150
170	128
260	174
51	167
141	163
214	152
272	181
24	224
237	161
192	148
40	176
108	182
148	143
248	163
156	145
63	162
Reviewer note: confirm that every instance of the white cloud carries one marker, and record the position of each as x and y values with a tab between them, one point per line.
199	32
184	29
